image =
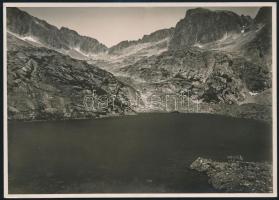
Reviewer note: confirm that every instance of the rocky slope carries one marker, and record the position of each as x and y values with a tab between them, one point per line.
33	29
209	76
44	84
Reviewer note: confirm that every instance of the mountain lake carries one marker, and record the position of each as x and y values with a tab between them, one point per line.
145	153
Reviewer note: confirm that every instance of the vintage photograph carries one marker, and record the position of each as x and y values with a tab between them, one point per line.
152	99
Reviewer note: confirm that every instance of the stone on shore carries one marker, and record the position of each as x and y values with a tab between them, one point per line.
235	175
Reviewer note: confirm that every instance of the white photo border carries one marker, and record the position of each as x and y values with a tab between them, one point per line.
147	4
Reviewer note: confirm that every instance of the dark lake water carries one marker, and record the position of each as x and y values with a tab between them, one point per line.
132	154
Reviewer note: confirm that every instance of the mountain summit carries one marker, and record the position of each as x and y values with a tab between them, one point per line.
264	15
202	25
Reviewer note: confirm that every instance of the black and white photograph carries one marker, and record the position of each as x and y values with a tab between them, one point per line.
140	99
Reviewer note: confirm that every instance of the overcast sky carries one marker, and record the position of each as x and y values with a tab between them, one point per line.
113	25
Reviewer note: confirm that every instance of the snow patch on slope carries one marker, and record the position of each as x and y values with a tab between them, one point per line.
198	45
28	38
253	93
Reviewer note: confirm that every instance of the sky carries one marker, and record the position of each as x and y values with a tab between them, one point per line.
111	25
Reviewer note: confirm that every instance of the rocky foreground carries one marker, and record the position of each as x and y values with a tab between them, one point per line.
235	175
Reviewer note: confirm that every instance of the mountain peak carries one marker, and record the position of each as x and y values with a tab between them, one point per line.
202	25
264	15
197	11
65	29
201	11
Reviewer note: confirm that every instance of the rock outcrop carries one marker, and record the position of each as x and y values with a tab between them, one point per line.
236	175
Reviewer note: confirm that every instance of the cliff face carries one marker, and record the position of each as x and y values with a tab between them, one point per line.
39	31
44	84
202	26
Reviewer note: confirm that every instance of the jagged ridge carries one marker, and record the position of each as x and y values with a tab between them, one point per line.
25	25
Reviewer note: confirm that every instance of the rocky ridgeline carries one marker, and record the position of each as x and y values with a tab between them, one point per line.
46	85
236	175
153	37
25	25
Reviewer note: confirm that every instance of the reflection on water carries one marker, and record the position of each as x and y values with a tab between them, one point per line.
144	153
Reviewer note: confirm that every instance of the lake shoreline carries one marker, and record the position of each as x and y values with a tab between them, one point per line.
134	114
